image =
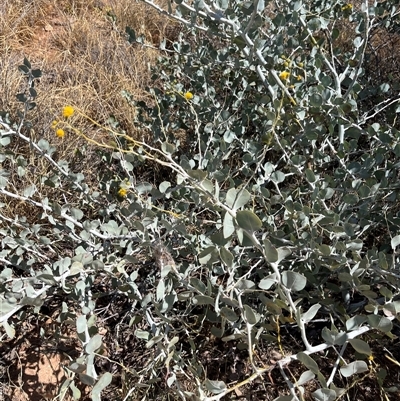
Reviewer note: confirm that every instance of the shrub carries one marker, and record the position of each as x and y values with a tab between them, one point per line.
275	205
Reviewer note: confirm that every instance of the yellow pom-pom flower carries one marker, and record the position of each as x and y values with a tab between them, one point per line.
347	7
284	75
68	111
54	124
188	95
60	133
122	192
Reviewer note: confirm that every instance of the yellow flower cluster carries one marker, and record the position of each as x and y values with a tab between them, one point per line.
290	66
122	192
188	95
60	133
67	111
284	75
347	7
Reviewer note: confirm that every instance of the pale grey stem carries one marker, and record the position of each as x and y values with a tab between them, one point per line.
336	365
288	382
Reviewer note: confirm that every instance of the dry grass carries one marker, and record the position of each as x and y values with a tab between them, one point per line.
84	55
86	60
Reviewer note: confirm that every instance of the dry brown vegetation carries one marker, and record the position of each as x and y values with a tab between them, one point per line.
81	48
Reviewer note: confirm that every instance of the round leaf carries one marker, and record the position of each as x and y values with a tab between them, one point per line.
360	346
381	323
316	100
226	257
351	199
333	336
215	386
324	394
102	383
94	343
271	253
229	314
278	177
242	198
395	241
248	220
267	282
230	197
198	175
203	300
310	175
293	281
228	227
354	368
310	314
250	315
305	377
308	362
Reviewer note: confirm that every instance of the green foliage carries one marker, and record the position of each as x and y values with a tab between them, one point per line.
280	202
